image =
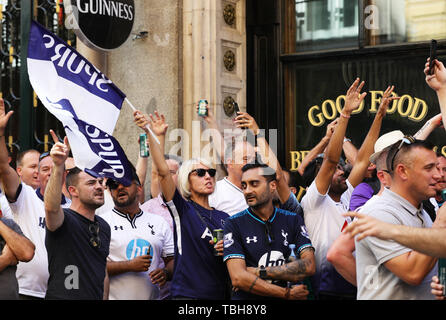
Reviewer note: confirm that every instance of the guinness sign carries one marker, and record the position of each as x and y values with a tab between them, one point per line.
101	24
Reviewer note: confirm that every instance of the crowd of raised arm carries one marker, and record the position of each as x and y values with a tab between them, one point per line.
370	226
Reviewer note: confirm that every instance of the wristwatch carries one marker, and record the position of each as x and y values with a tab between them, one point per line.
262	273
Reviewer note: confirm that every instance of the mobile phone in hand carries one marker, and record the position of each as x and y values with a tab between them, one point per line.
202	108
236	108
433	56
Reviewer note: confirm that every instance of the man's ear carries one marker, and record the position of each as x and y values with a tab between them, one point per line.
401	171
293	190
273	185
72	190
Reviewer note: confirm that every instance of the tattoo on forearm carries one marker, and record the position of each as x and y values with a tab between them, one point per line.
292	271
253	283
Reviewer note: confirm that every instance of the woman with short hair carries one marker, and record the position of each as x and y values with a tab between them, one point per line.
199	273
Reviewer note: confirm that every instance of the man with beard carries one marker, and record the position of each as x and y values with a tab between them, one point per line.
77	241
259	237
140	243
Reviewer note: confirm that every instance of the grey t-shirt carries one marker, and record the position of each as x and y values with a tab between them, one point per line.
375	281
9	288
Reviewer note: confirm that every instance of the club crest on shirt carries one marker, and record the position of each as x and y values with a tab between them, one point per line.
285	241
227	240
304	232
151	227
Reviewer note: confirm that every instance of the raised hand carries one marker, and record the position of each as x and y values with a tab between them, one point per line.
385	101
436	81
60	151
331	127
158	124
245	120
141	120
209	118
4	117
354	97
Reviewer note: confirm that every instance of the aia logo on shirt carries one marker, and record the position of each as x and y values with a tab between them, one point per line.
138	247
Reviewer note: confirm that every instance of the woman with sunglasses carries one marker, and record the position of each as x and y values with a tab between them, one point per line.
199	273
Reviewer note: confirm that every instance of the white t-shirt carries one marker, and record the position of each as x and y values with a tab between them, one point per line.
4	207
29	213
227	197
324	219
146	233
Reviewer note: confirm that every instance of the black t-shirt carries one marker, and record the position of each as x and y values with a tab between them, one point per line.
9	288
76	267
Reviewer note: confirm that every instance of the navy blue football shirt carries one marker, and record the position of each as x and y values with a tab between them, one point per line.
263	243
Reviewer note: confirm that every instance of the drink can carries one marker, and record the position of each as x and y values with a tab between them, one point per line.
203	108
143	150
217	235
442	273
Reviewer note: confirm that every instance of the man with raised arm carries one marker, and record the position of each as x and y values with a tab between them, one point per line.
327	198
76	239
28	212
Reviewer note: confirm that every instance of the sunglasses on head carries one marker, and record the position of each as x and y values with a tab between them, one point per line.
202	172
405	140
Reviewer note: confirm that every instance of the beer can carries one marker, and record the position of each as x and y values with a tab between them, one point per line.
203	108
217	235
143	150
442	273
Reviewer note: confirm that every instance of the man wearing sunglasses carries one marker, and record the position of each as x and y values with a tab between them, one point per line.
28	211
76	239
141	242
386	269
259	237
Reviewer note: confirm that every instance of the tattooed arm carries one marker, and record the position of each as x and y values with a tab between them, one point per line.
292	271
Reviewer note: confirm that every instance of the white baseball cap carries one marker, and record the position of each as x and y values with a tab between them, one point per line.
384	142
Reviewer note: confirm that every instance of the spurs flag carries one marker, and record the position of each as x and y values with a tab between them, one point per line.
83	99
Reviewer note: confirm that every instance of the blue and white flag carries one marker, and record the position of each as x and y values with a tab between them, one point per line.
83	99
57	71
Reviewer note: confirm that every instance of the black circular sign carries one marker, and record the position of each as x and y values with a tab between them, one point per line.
102	24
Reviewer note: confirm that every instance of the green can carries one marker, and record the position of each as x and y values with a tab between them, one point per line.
143	150
217	235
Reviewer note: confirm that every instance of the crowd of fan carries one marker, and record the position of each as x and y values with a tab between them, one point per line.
368	227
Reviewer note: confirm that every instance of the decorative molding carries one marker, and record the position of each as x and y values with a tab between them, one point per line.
228	106
229	14
229	60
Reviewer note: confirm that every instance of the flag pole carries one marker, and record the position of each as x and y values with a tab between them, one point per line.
147	126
